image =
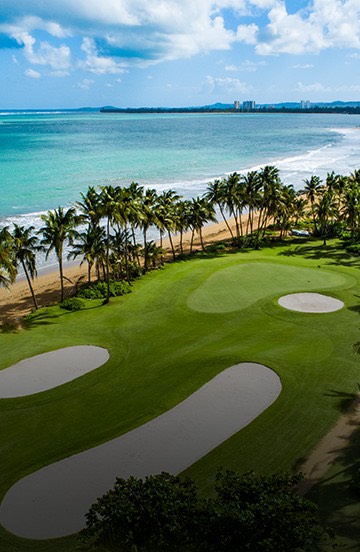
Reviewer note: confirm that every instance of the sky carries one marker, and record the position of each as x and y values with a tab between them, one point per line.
173	53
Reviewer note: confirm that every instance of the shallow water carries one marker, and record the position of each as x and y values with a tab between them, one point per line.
47	159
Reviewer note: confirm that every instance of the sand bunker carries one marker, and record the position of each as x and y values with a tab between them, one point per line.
49	370
52	502
310	302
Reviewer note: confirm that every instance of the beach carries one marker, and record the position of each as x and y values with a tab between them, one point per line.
16	302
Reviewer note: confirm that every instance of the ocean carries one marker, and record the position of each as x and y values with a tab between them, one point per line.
48	159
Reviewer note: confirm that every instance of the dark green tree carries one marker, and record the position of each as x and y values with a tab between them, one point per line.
25	246
164	513
59	227
8	266
154	514
259	514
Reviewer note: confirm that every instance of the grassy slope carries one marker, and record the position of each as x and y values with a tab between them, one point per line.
162	350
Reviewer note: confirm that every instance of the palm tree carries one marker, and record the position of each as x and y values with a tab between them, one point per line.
286	209
147	218
109	210
90	245
215	194
59	228
312	190
8	268
201	212
90	207
271	193
233	196
165	216
351	208
325	211
252	192
25	245
182	219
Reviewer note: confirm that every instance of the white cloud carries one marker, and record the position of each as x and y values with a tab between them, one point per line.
96	64
57	58
324	24
32	74
120	33
85	84
226	85
314	87
247	65
247	33
304	66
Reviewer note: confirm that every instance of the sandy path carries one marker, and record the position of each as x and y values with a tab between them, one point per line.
330	447
52	501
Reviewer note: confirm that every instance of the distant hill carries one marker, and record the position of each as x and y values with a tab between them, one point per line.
335	106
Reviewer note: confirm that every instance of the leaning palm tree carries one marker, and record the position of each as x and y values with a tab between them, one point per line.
59	227
25	245
8	268
165	216
90	245
201	212
216	194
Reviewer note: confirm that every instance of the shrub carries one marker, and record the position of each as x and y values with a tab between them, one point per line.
72	304
98	290
354	248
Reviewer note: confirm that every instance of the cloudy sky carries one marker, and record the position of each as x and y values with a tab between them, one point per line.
73	53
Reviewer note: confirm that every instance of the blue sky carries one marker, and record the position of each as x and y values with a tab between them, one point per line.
132	53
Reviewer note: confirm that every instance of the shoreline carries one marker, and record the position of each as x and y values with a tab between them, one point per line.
16	302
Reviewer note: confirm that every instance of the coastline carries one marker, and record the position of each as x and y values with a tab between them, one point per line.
16	302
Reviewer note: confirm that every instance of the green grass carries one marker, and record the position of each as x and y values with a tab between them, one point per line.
170	336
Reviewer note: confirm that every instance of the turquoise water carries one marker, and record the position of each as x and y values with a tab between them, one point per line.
48	159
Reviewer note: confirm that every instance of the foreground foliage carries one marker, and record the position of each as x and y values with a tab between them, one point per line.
163	512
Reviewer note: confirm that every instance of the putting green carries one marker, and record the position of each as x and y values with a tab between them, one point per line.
239	286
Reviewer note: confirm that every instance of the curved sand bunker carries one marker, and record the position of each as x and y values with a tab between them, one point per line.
52	502
310	302
43	372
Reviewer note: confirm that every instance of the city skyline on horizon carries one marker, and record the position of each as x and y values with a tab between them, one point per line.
174	53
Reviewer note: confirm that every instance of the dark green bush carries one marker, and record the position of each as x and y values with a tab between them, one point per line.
98	290
353	248
72	304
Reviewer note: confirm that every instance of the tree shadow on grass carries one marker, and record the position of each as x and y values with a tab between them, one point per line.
330	253
345	400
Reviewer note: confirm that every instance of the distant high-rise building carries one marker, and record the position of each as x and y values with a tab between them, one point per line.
248	105
305	104
236	104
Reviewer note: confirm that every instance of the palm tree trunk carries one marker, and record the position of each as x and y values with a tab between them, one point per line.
225	220
192	240
107	261
30	286
172	245
61	278
201	238
145	253
181	241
